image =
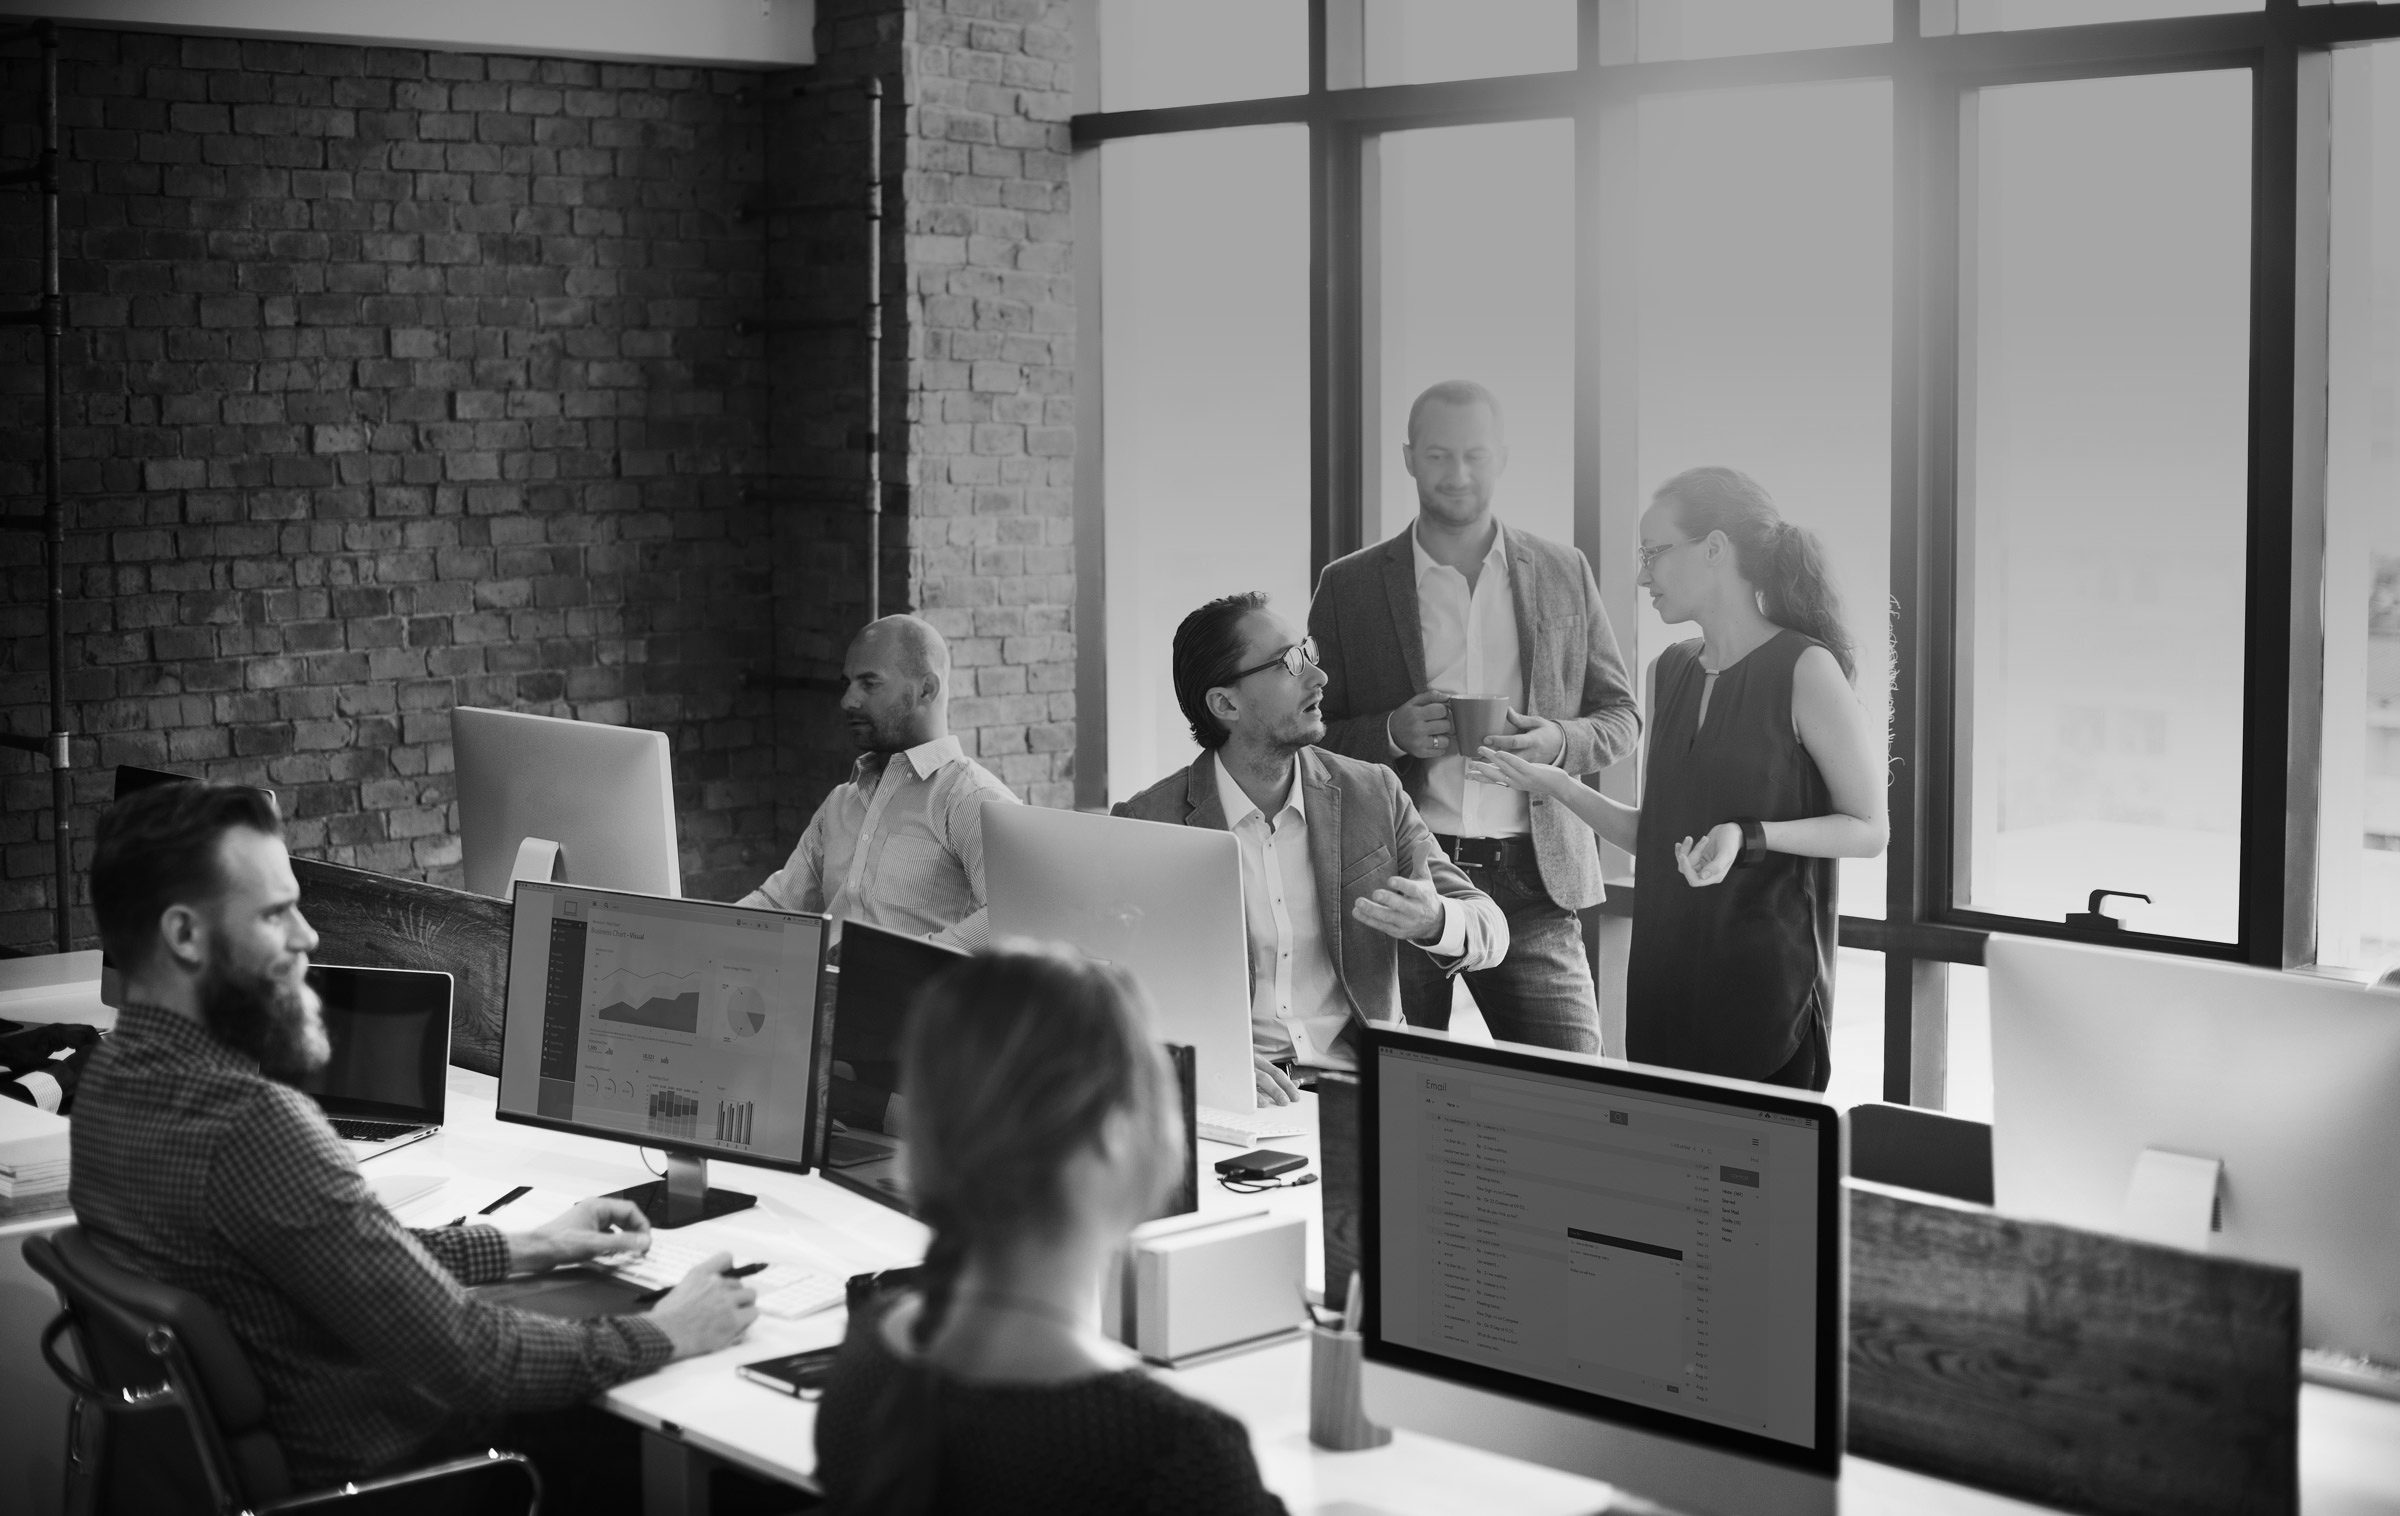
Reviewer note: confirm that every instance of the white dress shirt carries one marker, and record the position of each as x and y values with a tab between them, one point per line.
1470	649
899	846
1297	1003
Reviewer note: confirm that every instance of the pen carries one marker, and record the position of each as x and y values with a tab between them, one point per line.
738	1271
1354	1305
522	1189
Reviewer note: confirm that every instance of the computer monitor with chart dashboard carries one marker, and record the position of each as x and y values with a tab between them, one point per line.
604	794
675	1024
1605	1267
2289	1082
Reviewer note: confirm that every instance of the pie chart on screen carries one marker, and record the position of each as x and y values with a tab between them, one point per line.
745	1010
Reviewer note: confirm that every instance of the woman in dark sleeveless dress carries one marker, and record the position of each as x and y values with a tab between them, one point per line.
1762	771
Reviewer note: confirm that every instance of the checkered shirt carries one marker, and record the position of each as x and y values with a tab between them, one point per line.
193	1168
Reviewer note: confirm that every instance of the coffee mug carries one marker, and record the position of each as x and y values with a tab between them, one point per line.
1474	718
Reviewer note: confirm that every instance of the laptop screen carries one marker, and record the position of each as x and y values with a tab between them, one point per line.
389	1030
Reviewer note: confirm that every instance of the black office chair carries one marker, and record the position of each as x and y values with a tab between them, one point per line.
1922	1150
184	1419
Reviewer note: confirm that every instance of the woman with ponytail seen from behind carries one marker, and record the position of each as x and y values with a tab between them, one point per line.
1761	771
1042	1128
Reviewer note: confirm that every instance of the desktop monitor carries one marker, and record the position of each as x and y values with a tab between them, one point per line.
1164	902
860	1110
2291	1081
1604	1267
604	794
674	1024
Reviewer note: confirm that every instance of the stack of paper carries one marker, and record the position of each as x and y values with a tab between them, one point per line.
33	1159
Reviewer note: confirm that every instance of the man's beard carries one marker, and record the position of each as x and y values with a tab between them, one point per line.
275	1022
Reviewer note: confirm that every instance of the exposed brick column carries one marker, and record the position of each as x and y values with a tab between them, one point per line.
978	423
991	313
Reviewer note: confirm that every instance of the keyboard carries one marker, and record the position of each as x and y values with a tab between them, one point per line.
786	1291
355	1130
1249	1128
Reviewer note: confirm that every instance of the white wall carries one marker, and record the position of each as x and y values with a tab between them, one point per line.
725	33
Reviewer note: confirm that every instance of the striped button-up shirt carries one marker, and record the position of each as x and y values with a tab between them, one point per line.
193	1168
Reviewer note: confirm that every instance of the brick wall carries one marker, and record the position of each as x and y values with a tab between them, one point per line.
398	380
403	379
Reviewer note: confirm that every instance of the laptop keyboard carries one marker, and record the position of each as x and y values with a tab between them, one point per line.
355	1130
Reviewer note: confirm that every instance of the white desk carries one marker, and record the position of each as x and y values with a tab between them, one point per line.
2350	1445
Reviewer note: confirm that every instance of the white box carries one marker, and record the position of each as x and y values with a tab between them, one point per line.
1208	1287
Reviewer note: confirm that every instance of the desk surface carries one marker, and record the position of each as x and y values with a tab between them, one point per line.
2350	1444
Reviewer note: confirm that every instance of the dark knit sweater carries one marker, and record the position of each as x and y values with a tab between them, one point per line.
1112	1443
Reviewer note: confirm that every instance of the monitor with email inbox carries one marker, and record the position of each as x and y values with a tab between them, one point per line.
2270	1100
1163	902
681	1025
1609	1268
605	795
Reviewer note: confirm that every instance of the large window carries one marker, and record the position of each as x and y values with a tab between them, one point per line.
1472	270
1764	293
2037	312
2103	486
2358	900
1205	398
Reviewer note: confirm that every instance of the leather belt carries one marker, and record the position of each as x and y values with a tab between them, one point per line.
1486	852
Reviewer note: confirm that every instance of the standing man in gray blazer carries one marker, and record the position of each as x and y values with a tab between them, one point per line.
1340	879
1460	604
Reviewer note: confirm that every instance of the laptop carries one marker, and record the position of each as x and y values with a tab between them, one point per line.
389	1030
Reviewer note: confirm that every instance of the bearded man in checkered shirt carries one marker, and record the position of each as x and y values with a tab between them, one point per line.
197	1163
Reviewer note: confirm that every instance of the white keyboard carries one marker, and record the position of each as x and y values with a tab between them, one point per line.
1249	1128
787	1291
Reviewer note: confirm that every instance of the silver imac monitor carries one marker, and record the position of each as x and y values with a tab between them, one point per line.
673	1024
604	794
2291	1082
1608	1268
1165	902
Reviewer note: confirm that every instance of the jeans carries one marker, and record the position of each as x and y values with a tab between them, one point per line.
1540	994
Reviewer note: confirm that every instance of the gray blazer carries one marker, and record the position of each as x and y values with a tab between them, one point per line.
1362	829
1372	641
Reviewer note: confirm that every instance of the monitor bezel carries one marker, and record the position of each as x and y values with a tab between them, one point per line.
800	1165
1832	1346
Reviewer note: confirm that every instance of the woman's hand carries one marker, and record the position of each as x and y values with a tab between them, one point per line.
1708	860
1492	765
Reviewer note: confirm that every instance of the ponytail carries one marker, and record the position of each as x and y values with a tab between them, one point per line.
1013	1062
901	1436
1783	561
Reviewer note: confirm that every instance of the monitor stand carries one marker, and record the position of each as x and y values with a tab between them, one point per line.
684	1196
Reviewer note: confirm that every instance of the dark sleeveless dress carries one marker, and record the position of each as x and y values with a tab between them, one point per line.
1728	979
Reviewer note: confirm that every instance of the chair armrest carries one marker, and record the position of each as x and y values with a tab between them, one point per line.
468	1483
77	1383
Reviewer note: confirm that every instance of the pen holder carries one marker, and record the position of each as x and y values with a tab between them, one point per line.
1336	1420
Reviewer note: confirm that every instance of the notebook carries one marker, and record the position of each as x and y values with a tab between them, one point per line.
389	1030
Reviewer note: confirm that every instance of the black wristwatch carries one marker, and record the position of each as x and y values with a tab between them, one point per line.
1754	841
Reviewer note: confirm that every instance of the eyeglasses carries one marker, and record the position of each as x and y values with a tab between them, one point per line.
1300	655
1651	551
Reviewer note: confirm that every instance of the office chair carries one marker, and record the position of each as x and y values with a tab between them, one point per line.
184	1419
1921	1150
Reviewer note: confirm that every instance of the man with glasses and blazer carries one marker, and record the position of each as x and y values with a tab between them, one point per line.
1341	880
1460	604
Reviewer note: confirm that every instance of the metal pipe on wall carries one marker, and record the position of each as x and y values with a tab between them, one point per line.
49	313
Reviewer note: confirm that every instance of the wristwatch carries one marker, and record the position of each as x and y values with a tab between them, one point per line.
1754	841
